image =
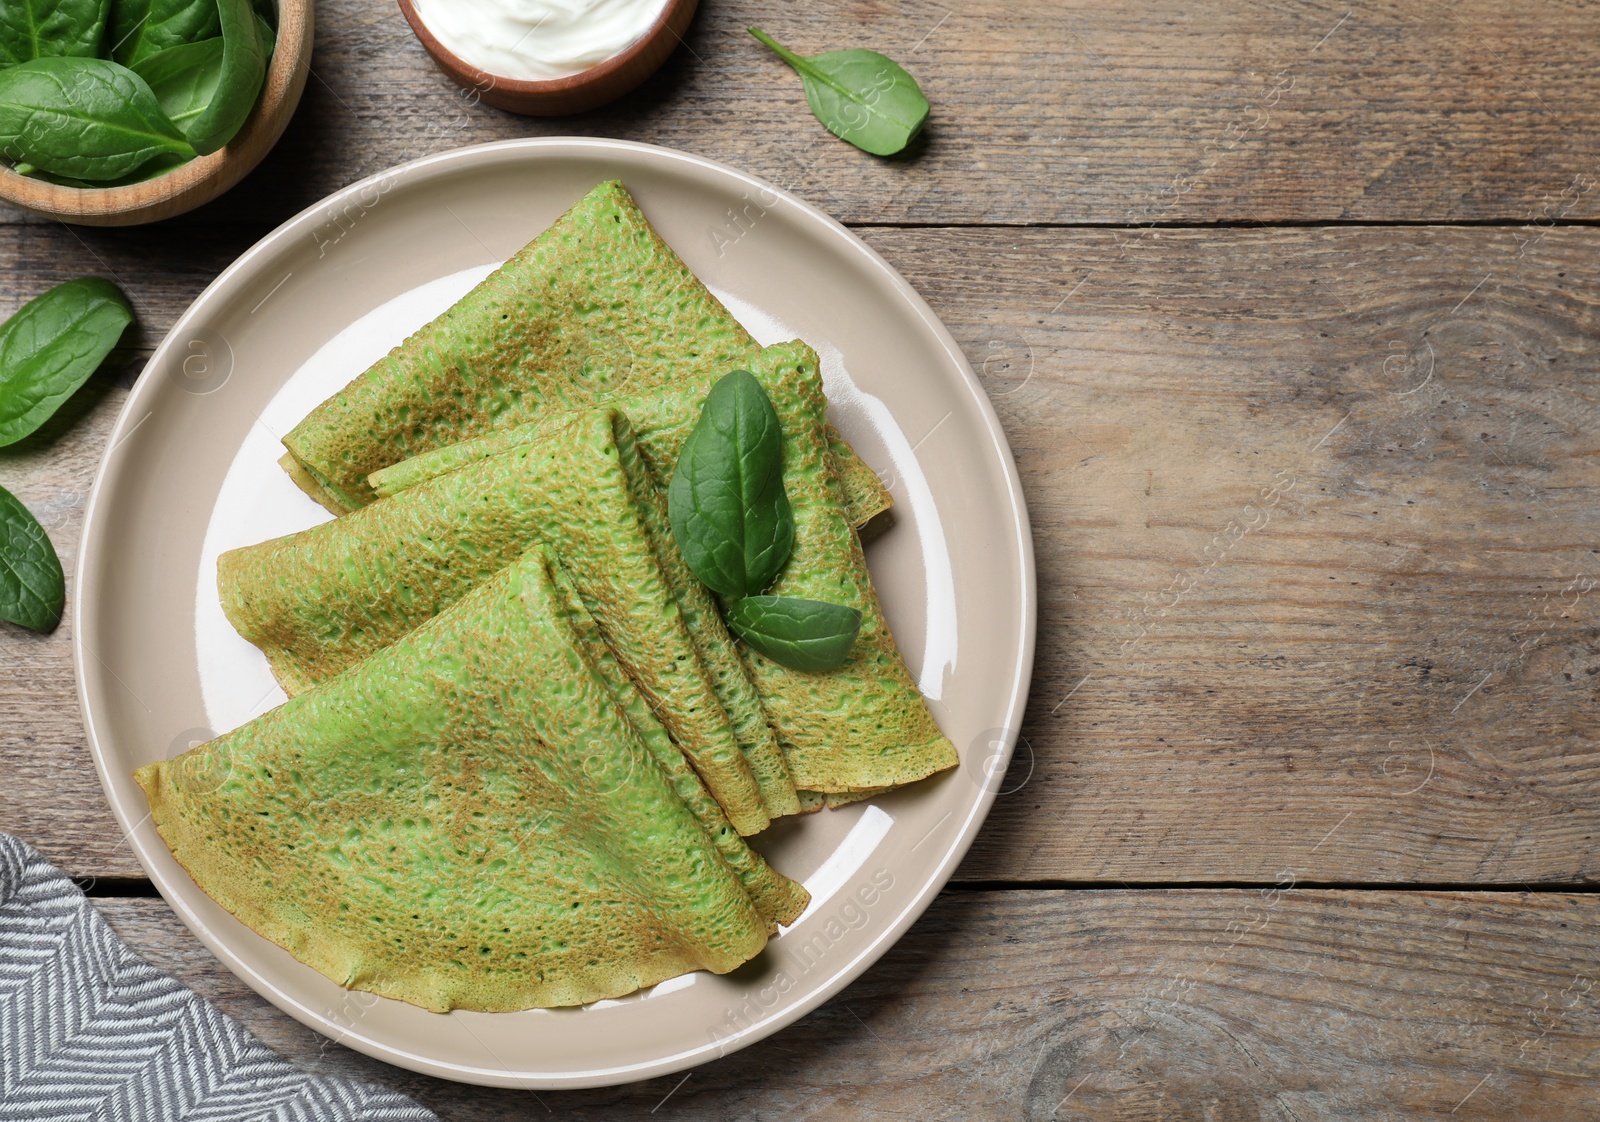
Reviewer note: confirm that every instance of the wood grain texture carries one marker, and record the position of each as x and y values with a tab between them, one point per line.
1080	112
1284	1004
1315	514
1384	671
51	795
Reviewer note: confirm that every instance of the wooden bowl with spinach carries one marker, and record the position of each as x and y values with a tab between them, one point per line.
118	112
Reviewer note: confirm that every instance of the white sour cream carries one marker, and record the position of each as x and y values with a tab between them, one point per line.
536	40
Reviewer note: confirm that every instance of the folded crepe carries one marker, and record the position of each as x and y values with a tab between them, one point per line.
778	899
865	724
319	601
466	820
857	729
595	307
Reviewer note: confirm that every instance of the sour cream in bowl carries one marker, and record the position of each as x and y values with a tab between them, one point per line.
548	57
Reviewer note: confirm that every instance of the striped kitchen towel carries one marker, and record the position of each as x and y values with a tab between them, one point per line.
90	1032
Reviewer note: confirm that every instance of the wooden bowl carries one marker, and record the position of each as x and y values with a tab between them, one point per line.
557	97
203	178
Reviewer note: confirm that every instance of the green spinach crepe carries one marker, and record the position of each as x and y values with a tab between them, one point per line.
466	820
865	724
778	899
861	727
595	307
319	601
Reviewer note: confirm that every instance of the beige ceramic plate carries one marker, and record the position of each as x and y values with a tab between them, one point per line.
189	471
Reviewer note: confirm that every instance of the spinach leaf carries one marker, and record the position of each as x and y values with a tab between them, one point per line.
861	96
244	65
800	634
32	29
83	117
51	346
732	523
158	166
140	28
729	513
183	78
32	588
269	39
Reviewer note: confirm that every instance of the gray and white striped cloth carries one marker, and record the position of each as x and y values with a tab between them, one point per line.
90	1032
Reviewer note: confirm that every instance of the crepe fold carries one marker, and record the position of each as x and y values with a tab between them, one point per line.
319	601
850	732
778	899
467	820
864	724
596	307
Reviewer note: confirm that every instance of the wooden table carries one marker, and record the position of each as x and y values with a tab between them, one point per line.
1291	315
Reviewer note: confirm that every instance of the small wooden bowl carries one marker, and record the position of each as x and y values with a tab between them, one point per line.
558	97
203	178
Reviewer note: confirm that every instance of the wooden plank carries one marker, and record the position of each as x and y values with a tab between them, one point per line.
1108	1005
1044	111
1386	672
1315	516
51	795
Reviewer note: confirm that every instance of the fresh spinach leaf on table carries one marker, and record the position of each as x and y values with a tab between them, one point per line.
800	634
729	513
51	346
47	350
140	28
83	117
32	587
244	64
32	29
861	96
